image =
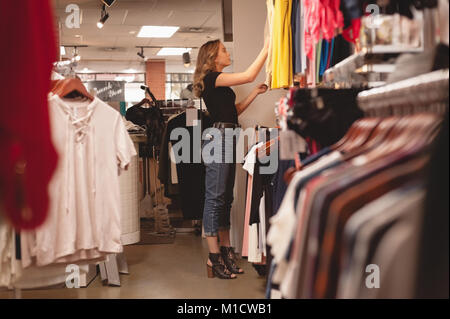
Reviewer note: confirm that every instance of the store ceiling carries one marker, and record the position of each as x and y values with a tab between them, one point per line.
118	39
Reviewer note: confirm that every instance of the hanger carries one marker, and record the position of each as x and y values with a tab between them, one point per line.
376	138
71	87
363	132
144	101
264	150
409	133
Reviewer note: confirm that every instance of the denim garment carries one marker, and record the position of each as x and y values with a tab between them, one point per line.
219	184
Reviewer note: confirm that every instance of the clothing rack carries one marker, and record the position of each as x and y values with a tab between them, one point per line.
423	93
365	68
178	106
163	104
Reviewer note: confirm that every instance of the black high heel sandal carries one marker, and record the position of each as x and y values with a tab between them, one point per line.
229	258
218	268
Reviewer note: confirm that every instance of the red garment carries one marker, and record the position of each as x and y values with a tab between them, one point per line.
314	147
351	34
27	53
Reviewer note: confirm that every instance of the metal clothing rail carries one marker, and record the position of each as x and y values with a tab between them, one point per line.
426	92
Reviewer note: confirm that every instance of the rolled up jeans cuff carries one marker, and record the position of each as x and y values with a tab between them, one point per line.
211	234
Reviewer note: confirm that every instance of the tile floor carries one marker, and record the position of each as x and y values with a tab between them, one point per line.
164	271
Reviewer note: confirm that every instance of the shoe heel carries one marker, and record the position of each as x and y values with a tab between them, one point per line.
209	271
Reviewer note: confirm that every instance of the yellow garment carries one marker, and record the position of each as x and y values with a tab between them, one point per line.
282	73
268	35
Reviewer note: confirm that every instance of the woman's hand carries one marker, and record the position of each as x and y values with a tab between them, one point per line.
261	88
266	43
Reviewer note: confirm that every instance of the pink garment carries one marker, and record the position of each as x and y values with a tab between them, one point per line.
248	205
339	17
321	16
311	70
313	13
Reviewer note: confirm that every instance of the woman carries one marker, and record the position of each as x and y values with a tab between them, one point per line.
214	87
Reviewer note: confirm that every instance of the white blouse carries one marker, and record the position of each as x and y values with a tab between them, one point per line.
84	212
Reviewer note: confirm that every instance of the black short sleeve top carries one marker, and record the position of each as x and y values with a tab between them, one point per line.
220	101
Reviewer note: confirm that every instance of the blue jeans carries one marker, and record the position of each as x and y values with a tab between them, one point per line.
219	184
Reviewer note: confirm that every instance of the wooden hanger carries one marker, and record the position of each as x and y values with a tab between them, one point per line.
346	137
362	134
376	138
66	87
410	132
264	150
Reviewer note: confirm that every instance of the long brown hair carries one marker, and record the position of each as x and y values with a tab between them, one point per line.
205	64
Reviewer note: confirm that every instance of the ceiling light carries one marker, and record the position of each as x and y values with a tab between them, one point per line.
62	50
104	17
76	58
148	31
173	51
130	71
186	59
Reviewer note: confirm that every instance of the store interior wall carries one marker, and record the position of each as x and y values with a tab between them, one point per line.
249	19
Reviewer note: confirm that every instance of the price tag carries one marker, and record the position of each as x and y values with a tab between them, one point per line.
191	117
290	144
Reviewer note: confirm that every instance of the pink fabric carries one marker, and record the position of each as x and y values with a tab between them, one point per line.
248	205
332	18
339	17
313	14
311	74
321	16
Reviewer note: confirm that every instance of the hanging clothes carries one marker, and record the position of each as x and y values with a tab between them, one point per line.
282	74
313	10
167	169
84	216
29	158
191	173
268	35
296	25
352	206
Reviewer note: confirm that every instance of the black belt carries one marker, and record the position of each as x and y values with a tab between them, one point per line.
225	125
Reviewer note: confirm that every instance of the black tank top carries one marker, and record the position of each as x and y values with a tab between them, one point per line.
220	101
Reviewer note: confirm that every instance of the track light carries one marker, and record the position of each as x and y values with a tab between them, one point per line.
104	17
187	59
76	57
141	54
